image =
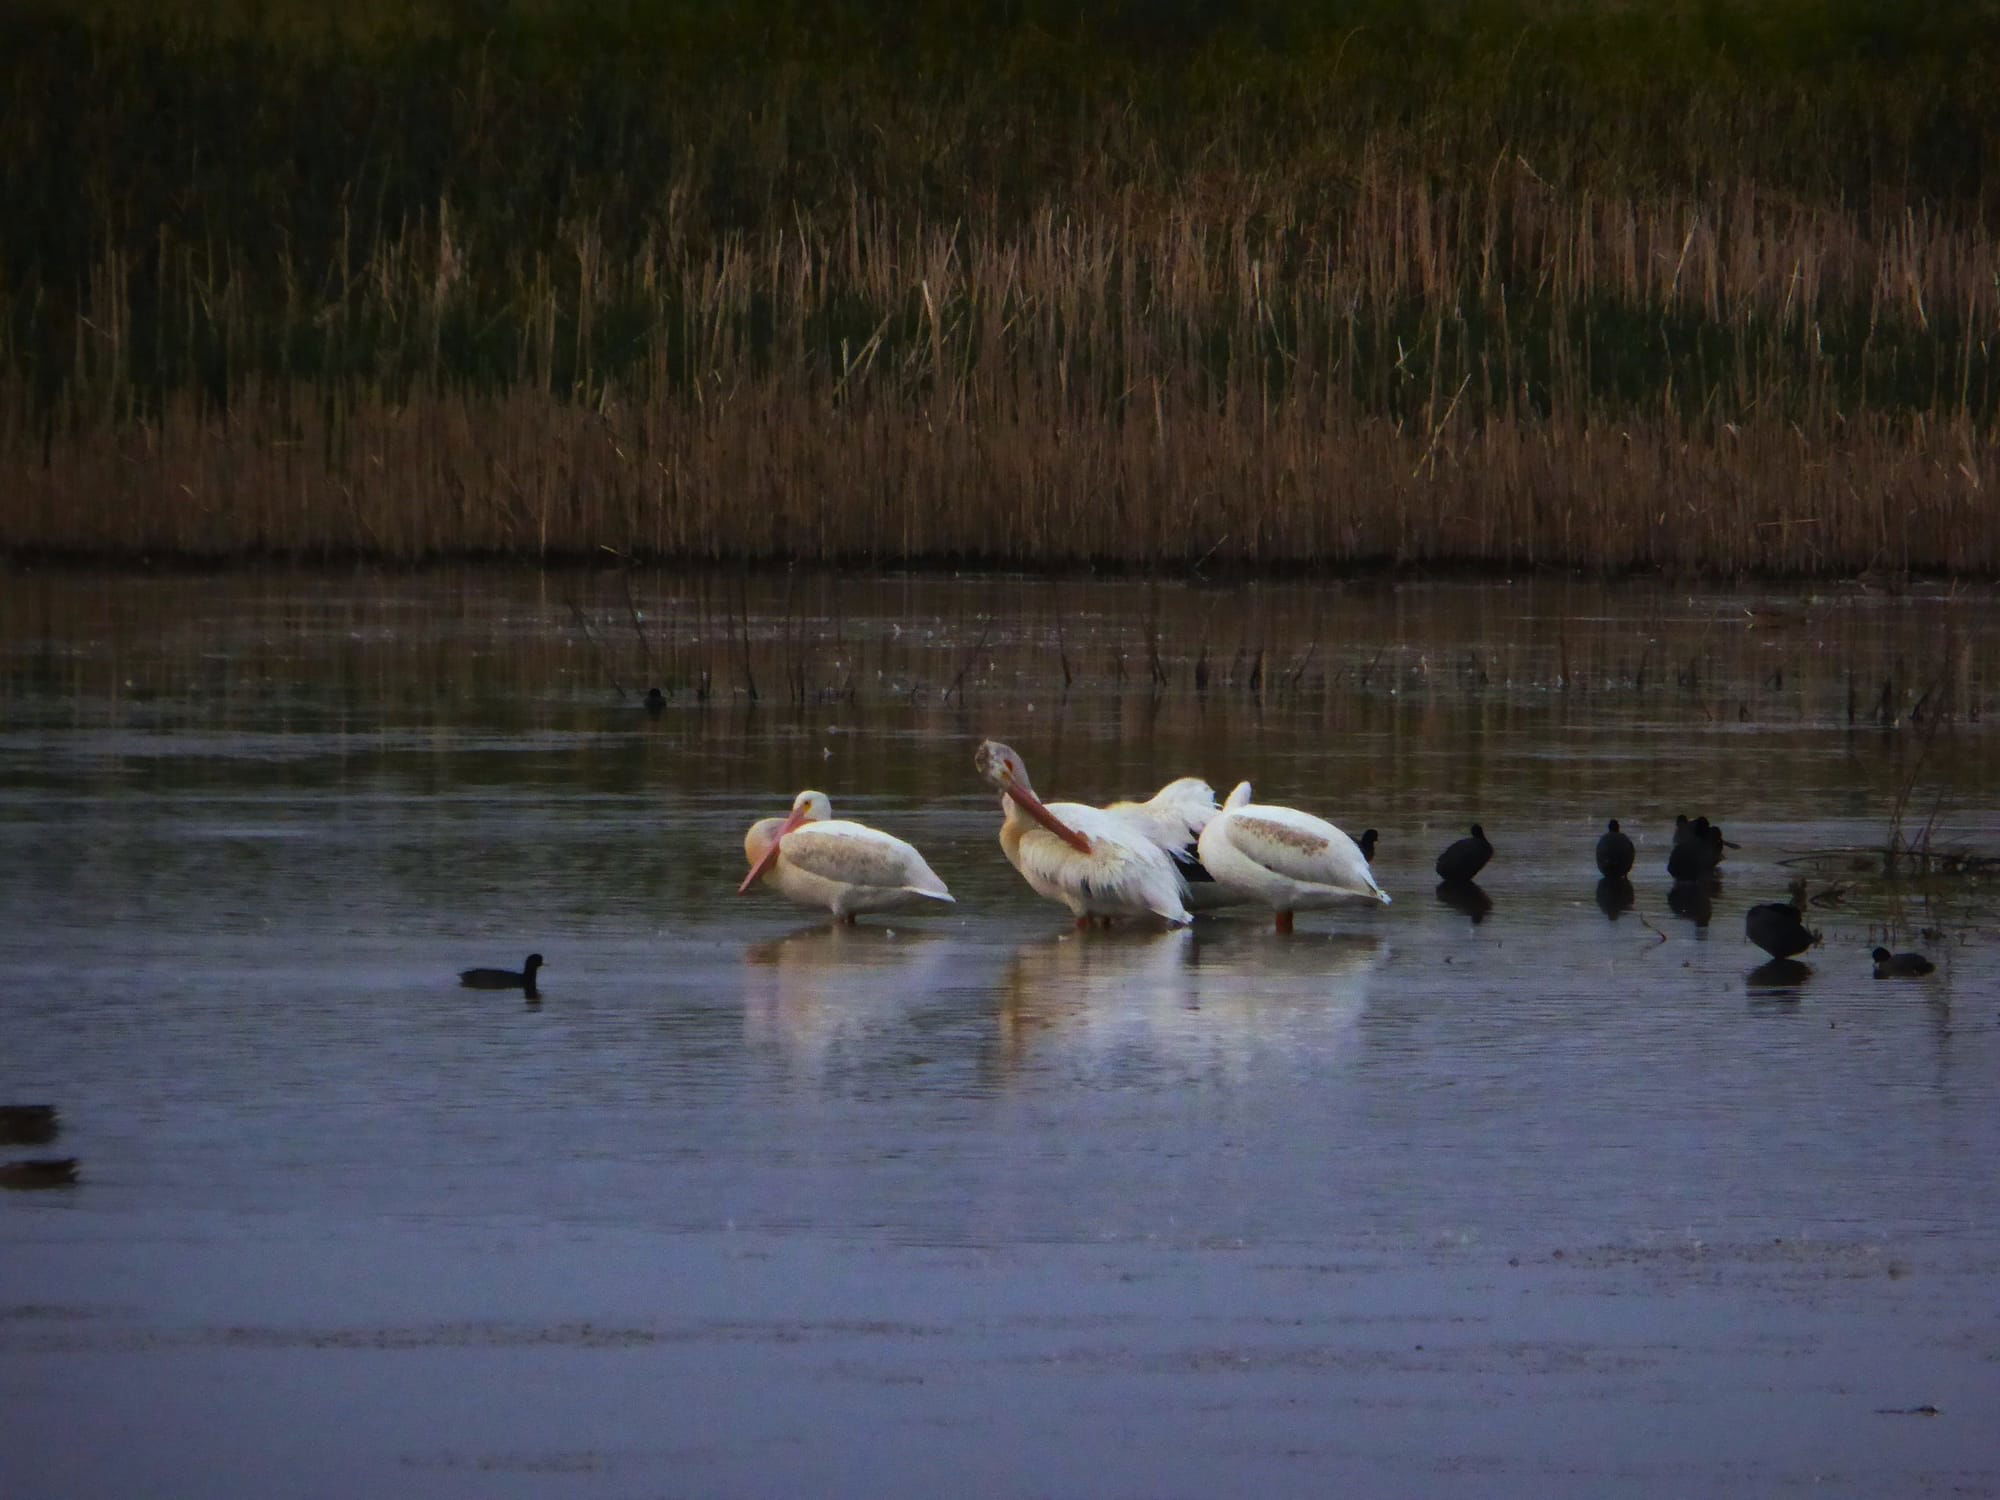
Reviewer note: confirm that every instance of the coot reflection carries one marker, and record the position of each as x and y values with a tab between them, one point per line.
1466	897
38	1172
1778	979
1692	900
1615	896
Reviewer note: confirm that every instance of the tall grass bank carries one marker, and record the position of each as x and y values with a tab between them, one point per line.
1653	285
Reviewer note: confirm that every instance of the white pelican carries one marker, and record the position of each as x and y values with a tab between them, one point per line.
1288	860
848	868
1173	817
1096	862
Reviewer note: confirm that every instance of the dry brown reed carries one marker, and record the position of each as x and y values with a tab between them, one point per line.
1403	371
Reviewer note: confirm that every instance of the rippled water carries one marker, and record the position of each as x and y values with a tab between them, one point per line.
1544	1202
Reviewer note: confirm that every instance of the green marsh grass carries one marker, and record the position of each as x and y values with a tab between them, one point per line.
1711	288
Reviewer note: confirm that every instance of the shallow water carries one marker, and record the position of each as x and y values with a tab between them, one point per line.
1542	1203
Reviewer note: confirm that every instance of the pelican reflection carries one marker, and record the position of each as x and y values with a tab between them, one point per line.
1141	1005
818	986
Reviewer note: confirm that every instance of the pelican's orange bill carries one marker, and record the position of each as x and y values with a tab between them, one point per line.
798	816
1033	805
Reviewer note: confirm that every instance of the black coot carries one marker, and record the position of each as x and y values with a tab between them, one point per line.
1614	852
504	979
1466	858
1900	965
1777	928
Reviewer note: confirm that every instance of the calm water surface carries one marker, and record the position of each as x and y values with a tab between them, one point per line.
1546	1202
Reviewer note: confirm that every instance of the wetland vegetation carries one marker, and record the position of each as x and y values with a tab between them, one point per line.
1189	285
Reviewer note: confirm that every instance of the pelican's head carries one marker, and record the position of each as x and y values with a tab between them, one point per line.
810	807
1000	765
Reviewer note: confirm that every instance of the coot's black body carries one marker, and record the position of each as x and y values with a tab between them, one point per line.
504	979
1778	928
1614	852
1900	965
1466	858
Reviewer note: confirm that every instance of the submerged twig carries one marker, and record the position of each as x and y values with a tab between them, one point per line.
971	656
596	645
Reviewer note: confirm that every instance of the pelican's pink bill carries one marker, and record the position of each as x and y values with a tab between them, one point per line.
1032	805
797	816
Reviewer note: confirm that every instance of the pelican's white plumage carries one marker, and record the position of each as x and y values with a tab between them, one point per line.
1173	817
848	868
1095	861
1284	859
1123	875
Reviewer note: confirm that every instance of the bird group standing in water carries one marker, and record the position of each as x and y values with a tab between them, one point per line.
1181	853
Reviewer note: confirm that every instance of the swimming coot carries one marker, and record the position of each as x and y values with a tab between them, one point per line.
504	979
1900	965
